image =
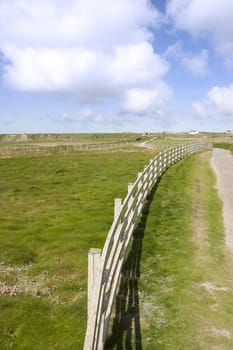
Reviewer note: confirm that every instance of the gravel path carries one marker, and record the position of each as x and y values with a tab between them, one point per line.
222	163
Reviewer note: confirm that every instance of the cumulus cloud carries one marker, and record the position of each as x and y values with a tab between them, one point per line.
89	49
210	18
219	101
84	22
222	98
196	64
150	101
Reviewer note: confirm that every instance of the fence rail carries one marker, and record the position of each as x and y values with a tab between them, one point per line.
22	150
104	267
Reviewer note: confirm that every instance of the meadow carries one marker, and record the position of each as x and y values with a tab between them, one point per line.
56	205
53	209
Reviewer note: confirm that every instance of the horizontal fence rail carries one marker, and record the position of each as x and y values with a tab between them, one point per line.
104	267
20	150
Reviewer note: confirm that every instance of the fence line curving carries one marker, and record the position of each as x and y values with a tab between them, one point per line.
104	267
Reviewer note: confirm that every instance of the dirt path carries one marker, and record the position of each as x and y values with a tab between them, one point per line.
147	144
222	163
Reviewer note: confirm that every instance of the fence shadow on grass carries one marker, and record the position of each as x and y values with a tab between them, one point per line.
126	328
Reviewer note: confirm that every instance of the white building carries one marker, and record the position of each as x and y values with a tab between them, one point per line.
193	132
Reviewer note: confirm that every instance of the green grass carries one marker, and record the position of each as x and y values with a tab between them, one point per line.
184	296
53	209
78	137
224	145
178	310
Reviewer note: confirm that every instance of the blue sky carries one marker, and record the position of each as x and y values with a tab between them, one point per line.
111	66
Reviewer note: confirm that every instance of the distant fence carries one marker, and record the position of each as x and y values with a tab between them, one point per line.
104	267
24	150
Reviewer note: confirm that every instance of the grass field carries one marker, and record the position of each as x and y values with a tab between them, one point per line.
78	137
21	145
53	209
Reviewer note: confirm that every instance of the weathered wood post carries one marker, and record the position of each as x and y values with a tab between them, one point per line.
117	207
94	256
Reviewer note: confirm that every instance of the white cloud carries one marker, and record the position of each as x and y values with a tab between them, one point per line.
86	22
218	101
137	64
210	18
149	101
47	69
222	99
196	64
93	50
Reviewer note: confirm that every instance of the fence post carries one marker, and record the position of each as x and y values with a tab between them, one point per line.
117	207
94	256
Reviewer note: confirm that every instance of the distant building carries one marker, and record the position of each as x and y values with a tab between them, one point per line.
193	132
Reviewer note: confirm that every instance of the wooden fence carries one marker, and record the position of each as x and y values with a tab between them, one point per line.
24	150
104	267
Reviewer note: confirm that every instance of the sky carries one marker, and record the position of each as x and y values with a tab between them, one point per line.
70	66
